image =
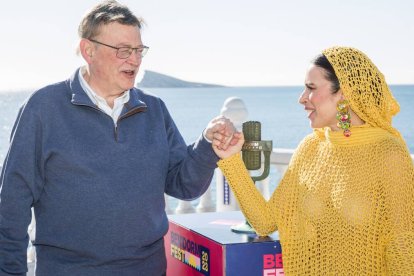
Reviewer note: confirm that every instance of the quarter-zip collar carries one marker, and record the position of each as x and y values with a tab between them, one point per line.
79	97
134	105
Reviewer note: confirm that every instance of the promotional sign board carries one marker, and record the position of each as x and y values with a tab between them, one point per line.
203	244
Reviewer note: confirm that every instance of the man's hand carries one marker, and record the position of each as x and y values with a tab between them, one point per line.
226	140
220	129
233	147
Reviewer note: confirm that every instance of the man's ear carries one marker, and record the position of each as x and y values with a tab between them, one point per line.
86	49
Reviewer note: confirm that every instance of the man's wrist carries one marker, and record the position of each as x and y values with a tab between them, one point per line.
205	137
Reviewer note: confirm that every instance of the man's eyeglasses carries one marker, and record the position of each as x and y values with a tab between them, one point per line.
125	52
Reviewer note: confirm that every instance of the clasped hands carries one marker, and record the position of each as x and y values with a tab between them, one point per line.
226	140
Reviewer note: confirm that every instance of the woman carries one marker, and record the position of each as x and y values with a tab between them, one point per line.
345	205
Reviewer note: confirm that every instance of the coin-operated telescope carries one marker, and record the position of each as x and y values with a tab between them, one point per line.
252	157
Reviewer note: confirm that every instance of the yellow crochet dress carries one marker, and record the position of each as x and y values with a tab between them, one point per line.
344	206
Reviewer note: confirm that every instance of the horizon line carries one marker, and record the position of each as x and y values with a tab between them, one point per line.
12	90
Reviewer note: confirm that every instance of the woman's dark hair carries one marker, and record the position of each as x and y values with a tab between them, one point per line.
323	62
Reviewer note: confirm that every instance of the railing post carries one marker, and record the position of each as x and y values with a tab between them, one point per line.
206	203
234	109
168	208
31	252
184	207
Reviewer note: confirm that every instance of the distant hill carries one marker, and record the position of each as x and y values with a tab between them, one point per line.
154	79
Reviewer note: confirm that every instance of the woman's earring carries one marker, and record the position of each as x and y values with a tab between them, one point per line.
343	117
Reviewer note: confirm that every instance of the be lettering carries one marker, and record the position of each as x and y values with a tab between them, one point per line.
272	261
273	265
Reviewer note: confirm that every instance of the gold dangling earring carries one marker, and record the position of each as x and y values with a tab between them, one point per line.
344	117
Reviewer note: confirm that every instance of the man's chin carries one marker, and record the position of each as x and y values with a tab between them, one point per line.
128	86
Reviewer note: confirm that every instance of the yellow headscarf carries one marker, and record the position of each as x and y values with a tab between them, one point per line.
364	86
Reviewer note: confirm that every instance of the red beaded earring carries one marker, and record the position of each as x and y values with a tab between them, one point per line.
343	117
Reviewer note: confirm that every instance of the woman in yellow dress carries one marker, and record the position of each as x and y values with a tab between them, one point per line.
345	205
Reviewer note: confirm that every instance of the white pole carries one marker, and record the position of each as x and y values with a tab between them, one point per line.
234	109
184	207
206	203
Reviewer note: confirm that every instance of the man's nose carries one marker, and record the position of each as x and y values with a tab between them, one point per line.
135	57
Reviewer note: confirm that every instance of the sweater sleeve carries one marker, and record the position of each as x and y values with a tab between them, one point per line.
191	168
399	199
19	178
259	212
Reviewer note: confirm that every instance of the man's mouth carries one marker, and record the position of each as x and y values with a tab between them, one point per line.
129	73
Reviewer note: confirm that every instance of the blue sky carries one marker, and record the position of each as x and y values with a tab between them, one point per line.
228	42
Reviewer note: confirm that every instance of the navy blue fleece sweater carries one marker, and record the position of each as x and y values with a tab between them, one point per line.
97	190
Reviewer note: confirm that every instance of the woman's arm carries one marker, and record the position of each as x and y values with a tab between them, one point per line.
259	212
399	201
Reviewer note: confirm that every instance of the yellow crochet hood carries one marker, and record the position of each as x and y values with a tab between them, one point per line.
364	86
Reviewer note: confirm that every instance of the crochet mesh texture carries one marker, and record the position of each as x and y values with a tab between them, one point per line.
364	86
345	206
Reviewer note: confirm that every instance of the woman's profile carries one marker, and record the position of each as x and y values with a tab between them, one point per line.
345	205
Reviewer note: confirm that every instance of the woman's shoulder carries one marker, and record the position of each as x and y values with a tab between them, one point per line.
391	146
309	141
306	147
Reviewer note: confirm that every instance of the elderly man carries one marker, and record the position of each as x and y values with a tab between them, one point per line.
94	156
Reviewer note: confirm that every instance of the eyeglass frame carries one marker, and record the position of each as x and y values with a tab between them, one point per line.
130	49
